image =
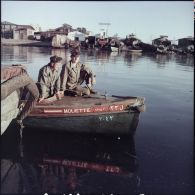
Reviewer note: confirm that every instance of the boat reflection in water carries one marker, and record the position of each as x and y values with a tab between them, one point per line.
68	163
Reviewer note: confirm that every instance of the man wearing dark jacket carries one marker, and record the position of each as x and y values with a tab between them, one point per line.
49	78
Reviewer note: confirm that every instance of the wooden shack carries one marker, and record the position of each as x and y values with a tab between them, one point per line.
23	32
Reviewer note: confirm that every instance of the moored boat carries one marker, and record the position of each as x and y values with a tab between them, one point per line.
133	44
162	44
87	114
135	50
15	82
114	49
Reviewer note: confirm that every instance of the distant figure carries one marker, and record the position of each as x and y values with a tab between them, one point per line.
49	79
73	74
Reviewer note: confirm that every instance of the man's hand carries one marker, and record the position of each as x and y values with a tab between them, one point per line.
89	85
59	94
40	99
93	81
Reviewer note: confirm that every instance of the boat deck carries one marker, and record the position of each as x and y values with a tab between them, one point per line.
87	105
70	101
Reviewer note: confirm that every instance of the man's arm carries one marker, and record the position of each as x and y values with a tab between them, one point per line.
43	80
58	84
87	69
63	77
90	72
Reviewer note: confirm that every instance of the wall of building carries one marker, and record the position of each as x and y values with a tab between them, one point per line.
7	31
185	42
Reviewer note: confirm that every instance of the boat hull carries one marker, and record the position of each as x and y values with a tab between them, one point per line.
109	123
135	50
114	49
9	110
15	82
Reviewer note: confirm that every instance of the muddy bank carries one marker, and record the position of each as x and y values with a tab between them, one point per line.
25	43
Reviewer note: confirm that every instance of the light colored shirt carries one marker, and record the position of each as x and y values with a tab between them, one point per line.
49	80
70	75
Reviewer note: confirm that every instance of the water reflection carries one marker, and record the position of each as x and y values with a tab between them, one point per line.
39	56
68	163
114	57
185	60
102	56
114	54
63	53
131	58
87	55
23	54
162	59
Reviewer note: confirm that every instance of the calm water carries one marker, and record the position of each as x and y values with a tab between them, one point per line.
158	159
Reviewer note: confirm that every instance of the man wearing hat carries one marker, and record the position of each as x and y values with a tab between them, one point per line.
49	79
74	73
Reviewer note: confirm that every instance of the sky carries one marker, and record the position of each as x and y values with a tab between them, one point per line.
146	19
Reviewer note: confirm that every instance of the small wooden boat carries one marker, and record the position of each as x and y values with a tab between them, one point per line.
87	114
114	49
135	50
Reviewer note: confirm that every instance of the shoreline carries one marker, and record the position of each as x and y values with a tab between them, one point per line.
16	42
33	43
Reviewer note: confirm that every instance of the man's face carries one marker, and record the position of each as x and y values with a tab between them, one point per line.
75	59
56	65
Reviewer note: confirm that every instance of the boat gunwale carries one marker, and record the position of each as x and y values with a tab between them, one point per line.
122	106
118	100
62	115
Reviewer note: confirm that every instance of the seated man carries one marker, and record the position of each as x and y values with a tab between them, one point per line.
49	79
74	73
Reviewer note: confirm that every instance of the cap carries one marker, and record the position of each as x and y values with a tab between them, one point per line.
75	53
55	59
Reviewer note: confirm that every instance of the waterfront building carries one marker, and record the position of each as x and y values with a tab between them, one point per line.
184	42
23	32
16	31
7	29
